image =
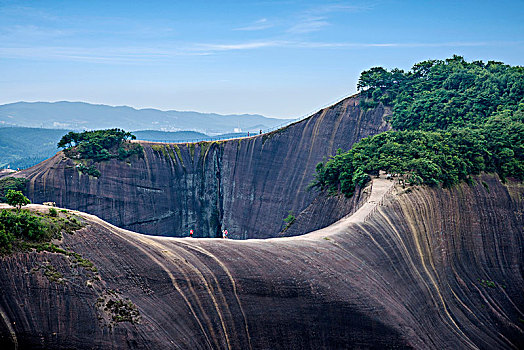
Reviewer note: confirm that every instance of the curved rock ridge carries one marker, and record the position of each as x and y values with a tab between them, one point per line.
247	186
416	268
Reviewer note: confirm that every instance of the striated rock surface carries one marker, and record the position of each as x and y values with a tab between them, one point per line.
419	268
245	185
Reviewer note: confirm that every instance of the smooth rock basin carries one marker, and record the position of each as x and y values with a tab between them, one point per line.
406	270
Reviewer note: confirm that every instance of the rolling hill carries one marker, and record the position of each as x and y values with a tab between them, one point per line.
80	116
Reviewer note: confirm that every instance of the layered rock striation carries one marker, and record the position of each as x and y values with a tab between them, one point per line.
422	268
247	186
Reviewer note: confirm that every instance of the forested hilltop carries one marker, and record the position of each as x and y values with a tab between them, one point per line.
451	119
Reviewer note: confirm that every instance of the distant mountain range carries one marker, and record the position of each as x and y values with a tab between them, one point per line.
85	116
25	147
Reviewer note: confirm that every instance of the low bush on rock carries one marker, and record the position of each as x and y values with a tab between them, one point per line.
23	230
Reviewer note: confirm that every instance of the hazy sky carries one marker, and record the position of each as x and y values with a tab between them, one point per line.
276	58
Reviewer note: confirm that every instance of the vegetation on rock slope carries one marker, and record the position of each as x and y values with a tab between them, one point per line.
22	230
452	119
97	146
11	183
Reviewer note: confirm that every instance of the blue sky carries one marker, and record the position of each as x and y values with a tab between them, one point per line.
276	58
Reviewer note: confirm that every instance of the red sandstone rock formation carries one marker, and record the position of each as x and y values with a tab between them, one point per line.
407	270
245	185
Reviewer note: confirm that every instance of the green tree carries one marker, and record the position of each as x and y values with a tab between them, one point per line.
451	119
16	199
11	183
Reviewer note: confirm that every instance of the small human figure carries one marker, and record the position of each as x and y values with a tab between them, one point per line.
248	134
260	131
191	233
225	234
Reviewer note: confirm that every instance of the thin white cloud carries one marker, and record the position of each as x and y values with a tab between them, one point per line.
31	31
139	55
261	24
308	24
341	7
316	18
97	55
239	46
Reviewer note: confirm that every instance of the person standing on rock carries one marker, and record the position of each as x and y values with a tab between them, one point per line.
225	234
191	233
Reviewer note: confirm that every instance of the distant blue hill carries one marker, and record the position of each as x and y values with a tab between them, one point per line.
82	116
25	147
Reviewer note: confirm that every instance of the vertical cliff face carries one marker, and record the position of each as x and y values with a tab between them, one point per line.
245	185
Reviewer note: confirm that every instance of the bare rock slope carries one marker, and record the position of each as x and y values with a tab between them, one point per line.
245	185
424	268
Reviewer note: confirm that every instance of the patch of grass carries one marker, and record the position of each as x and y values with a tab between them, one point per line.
179	154
192	150
487	283
53	275
50	272
157	148
204	148
78	260
171	153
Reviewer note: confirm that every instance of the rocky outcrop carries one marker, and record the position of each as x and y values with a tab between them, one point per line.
245	185
422	268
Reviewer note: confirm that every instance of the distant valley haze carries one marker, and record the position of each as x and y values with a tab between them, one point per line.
29	131
86	116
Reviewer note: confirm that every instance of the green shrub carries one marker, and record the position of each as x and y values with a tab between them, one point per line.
289	220
11	183
53	212
16	199
25	229
22	225
122	310
88	170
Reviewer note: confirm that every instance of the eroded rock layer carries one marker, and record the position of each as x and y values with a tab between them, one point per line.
245	185
418	268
